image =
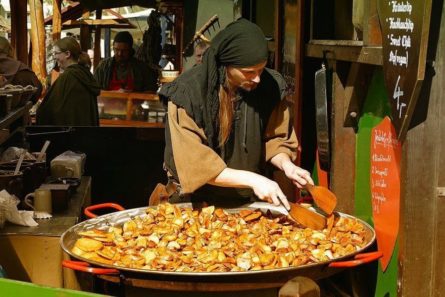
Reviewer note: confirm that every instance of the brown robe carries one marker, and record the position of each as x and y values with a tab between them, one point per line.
197	164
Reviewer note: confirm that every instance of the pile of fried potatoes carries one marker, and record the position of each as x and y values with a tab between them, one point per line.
169	238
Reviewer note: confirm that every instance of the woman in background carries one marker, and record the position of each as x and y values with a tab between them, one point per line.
72	99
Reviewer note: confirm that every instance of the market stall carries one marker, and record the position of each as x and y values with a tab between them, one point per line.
364	79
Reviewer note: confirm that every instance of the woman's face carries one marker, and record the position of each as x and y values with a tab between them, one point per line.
246	78
61	57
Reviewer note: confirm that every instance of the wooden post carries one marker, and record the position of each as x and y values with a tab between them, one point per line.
85	37
38	38
107	43
278	35
19	33
97	36
57	19
372	35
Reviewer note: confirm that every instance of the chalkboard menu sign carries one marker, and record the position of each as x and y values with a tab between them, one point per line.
405	28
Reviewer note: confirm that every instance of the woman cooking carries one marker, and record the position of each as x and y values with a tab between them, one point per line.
227	118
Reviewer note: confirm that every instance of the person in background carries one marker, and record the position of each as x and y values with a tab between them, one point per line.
200	47
85	60
72	99
227	119
122	71
15	72
150	49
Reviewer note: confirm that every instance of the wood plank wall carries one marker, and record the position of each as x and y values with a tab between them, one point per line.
437	96
422	248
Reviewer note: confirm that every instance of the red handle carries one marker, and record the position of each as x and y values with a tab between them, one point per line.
88	209
85	267
359	259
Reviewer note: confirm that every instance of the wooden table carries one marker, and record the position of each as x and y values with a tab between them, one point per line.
34	254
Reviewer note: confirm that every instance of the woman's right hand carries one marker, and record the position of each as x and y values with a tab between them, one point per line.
264	188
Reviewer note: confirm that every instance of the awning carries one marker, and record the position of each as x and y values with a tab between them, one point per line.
71	19
102	4
71	12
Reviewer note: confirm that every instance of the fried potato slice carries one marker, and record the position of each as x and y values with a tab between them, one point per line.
88	245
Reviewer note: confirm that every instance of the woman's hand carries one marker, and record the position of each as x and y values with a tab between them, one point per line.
299	176
264	188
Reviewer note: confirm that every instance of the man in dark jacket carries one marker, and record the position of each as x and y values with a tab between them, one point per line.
15	72
122	71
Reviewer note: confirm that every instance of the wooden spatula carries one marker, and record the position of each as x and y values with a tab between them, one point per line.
307	217
325	199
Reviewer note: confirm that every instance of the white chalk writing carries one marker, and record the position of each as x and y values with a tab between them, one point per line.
383	138
379	172
381	158
398	24
398	60
378	199
401	7
397	95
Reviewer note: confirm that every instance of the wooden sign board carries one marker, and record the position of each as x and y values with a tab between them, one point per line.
405	28
385	187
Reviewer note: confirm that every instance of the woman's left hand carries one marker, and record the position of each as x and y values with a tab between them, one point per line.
299	176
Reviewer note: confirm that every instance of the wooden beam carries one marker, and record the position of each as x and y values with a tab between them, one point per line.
110	23
57	19
351	51
19	32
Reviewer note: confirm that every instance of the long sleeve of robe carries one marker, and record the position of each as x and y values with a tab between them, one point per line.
196	163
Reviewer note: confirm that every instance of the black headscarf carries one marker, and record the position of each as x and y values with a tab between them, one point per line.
240	44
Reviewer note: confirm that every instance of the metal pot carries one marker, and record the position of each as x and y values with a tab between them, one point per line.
202	281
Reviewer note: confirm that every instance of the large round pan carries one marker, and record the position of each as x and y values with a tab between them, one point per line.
278	275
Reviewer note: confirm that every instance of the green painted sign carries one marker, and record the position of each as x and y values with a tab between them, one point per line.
375	108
